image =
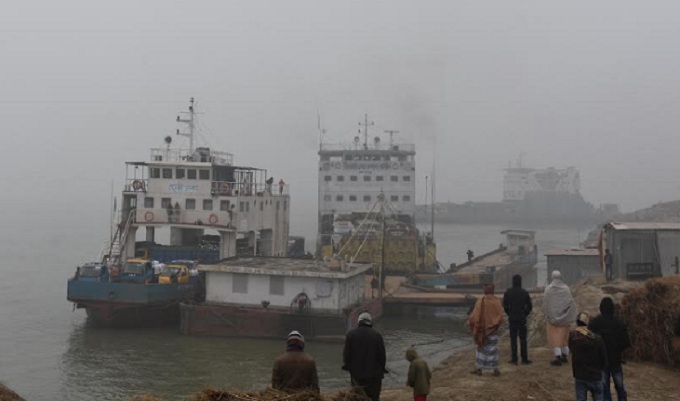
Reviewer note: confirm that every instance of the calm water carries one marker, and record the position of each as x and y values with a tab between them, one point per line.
49	352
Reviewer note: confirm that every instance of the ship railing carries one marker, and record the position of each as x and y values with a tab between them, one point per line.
215	218
199	155
232	188
136	185
396	147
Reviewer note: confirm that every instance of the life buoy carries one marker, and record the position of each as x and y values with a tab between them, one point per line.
213	219
148	216
395	165
137	185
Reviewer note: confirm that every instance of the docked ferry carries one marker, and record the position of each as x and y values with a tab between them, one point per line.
186	204
367	195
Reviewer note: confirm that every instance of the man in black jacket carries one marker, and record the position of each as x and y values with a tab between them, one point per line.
615	336
588	360
517	305
364	357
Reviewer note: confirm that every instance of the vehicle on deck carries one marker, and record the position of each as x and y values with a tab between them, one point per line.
136	271
174	273
93	272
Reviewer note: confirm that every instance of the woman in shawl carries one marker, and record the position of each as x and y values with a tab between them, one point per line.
484	322
560	312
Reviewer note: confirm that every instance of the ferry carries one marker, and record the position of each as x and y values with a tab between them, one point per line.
204	206
367	195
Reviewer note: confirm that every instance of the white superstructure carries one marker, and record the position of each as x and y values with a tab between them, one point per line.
519	181
197	189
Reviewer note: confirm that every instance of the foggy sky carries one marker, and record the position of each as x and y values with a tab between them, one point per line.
86	85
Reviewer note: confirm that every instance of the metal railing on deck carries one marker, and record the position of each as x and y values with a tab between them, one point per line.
198	155
189	217
228	188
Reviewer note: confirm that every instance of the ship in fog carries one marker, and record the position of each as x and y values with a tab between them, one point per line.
547	196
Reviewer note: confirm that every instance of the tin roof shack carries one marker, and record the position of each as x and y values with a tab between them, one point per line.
269	297
643	249
574	264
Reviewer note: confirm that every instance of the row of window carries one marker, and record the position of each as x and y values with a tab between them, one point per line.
352	157
367	198
180	173
367	178
225	205
239	284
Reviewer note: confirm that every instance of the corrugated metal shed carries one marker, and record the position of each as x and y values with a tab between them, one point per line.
641	225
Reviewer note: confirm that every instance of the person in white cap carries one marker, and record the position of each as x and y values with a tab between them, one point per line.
295	369
364	357
560	313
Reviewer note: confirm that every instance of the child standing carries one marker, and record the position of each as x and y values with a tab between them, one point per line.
418	375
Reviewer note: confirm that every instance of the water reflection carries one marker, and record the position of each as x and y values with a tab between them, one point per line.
114	364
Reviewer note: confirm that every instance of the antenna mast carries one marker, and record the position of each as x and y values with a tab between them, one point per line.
365	124
391	132
190	123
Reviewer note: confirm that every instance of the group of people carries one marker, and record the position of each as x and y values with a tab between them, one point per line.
364	358
595	345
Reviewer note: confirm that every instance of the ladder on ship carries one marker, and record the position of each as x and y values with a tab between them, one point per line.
117	245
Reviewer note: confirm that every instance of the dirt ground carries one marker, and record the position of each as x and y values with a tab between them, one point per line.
8	395
452	380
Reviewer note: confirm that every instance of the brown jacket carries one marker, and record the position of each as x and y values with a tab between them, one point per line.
295	370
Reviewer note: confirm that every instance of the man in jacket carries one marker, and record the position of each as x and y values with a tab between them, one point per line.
588	360
517	305
295	369
615	336
364	357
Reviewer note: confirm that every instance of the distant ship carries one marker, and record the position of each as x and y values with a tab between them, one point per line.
530	196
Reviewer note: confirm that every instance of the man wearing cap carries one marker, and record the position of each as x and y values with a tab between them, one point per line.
295	369
560	313
364	357
588	360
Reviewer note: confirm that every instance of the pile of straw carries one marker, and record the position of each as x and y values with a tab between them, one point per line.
214	394
651	312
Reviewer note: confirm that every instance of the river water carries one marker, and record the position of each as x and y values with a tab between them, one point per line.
50	352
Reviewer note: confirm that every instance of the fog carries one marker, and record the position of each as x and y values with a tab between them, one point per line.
87	85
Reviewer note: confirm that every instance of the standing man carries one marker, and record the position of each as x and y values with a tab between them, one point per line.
295	369
614	333
588	361
281	185
517	305
560	313
608	265
470	255
484	321
364	357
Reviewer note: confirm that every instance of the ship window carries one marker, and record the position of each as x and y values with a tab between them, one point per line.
204	174
285	205
367	198
352	198
148	203
166	203
327	178
190	204
167	173
247	206
339	198
394	178
191	173
394	198
340	178
327	198
261	206
367	178
241	207
348	157
239	283
406	198
207	204
402	158
276	285
155	172
278	205
406	178
352	177
378	177
224	205
179	173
